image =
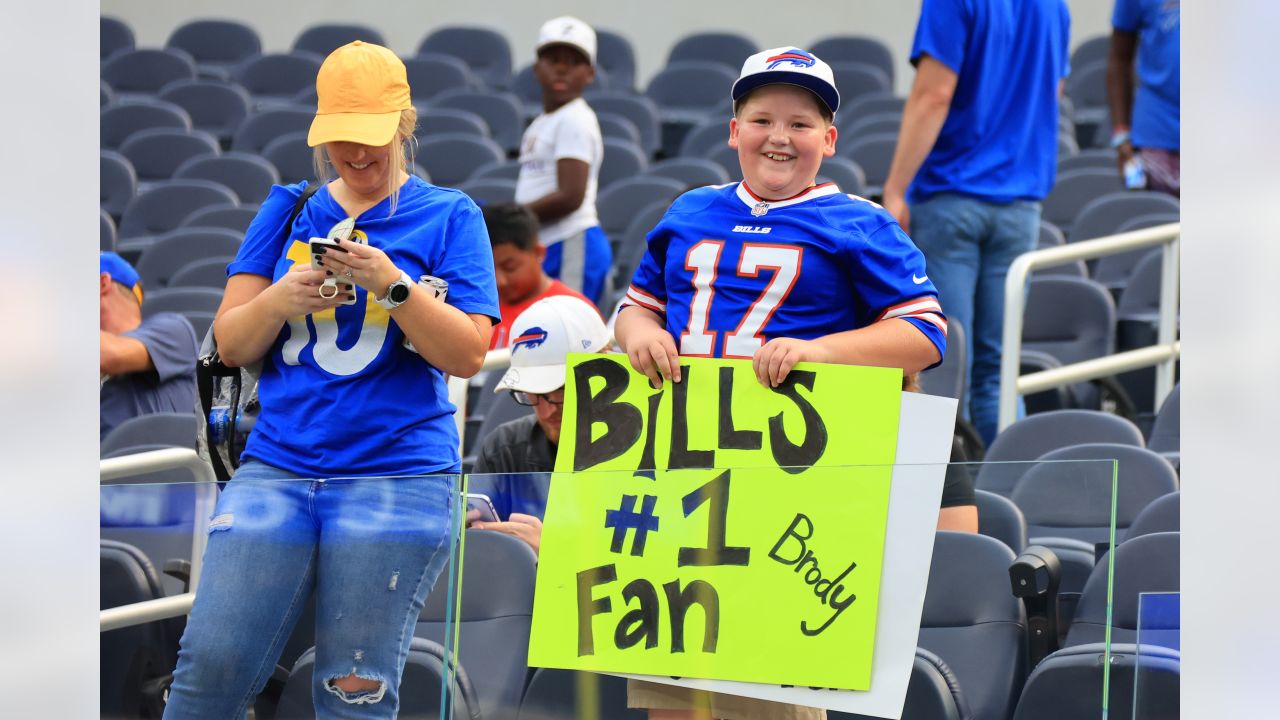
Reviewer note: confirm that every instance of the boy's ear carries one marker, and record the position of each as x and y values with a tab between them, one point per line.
829	141
541	251
733	133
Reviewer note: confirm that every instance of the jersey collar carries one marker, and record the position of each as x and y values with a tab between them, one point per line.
752	200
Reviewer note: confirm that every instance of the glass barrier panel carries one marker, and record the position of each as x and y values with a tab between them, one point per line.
1159	656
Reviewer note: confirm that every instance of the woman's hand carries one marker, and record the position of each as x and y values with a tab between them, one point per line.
298	292
773	361
364	265
652	351
524	527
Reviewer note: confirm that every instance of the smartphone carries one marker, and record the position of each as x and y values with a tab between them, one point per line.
484	505
318	246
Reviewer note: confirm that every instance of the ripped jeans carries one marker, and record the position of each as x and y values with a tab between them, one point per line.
371	549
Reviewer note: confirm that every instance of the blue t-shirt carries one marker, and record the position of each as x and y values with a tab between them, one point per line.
169	388
340	393
1000	139
1156	102
730	271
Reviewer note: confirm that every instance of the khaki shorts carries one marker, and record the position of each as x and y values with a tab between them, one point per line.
658	696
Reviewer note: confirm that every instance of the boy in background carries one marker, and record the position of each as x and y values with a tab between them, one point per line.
560	158
779	270
517	262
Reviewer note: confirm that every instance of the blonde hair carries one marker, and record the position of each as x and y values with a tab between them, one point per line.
401	162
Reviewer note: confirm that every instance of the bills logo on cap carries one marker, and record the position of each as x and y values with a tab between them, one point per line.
531	338
798	58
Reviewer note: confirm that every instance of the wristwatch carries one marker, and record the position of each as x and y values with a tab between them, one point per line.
397	292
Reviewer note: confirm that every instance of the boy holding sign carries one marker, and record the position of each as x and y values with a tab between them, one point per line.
777	269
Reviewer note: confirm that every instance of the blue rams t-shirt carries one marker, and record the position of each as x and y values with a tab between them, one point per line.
340	393
1156	102
1000	139
731	271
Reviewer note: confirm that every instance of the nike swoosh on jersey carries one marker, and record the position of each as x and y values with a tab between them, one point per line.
919	280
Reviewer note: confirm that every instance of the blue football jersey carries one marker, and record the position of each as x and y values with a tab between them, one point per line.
730	271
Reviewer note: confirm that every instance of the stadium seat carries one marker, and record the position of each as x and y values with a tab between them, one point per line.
727	158
225	215
1137	325
949	378
156	153
1145	564
845	173
1069	684
1162	515
108	231
618	127
869	104
973	622
704	138
249	176
623	199
1087	86
688	93
638	109
1095	49
1000	518
1067	145
441	120
556	694
163	429
885	122
492	618
525	86
452	158
1106	214
1071	319
1035	435
874	154
616	56
261	128
180	246
500	409
419	691
1167	431
726	48
113	35
323	38
106	95
433	73
501	111
133	660
855	79
292	157
933	693
856	48
691	171
165	206
217	46
1050	236
215	107
118	122
1114	271
1075	189
622	160
273	79
181	301
630	248
485	51
505	169
489	190
117	183
1103	158
210	272
145	71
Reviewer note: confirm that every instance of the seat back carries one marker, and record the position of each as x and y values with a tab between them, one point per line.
1075	189
702	139
279	76
108	231
1069	685
856	48
622	160
452	158
250	176
1167	431
619	127
616	56
216	107
324	38
157	152
490	190
638	109
1035	435
874	154
618	204
869	104
485	51
261	128
1070	318
441	120
632	243
692	85
223	215
163	429
1141	294
145	71
208	272
291	156
845	173
118	183
218	42
181	300
1000	518
856	79
1162	515
165	206
502	112
692	172
1104	158
433	73
118	122
178	247
1087	85
726	48
1104	215
948	379
113	35
1144	564
129	657
1090	51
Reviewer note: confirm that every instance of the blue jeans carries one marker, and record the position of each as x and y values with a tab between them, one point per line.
370	548
968	245
582	262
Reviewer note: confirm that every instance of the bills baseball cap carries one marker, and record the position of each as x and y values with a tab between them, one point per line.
569	31
543	335
789	66
122	272
361	89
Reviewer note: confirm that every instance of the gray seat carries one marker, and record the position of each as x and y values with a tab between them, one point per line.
117	184
261	128
1050	236
1162	515
619	127
869	104
181	246
933	693
689	92
1087	86
1000	518
324	38
106	95
616	56
157	152
156	429
441	120
727	158
1027	439
1103	158
856	48
420	686
452	158
501	408
492	618
217	46
949	378
525	86
885	122
728	49
622	160
210	272
215	107
704	138
638	109
691	171
1075	189
1093	50
855	79
166	205
232	217
1145	564
502	112
973	622
1071	319
1104	215
108	231
632	245
556	694
132	657
485	51
118	122
145	71
490	190
845	173
1114	271
432	73
113	35
874	154
292	157
1166	433
249	176
504	169
276	78
619	204
1068	684
181	301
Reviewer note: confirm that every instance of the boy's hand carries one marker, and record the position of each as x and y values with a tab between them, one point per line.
773	361
518	525
652	351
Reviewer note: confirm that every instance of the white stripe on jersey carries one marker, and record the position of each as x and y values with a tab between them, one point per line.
645	300
922	308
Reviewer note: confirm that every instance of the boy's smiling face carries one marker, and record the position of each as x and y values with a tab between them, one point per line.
781	138
564	72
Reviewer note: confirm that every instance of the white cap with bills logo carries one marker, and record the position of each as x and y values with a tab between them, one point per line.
789	66
543	335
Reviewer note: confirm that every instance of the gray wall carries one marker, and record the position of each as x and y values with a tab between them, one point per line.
653	26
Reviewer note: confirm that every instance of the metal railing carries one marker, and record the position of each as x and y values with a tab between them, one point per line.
1164	354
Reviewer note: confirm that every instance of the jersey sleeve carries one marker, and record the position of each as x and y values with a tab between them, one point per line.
467	264
890	281
264	240
170	342
575	139
1127	16
648	287
941	33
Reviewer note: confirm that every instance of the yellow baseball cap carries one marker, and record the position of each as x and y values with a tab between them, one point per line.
361	89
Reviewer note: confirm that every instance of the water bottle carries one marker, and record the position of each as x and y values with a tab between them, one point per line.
1135	176
220	420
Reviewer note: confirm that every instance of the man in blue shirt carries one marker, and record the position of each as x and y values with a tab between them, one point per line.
1146	123
976	153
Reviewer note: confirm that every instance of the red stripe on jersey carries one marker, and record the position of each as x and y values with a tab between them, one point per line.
645	300
802	193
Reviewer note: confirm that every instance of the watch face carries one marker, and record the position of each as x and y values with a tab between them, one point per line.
399	293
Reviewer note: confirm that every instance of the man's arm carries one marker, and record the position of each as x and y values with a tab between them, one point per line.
121	355
571	189
1124	46
922	118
